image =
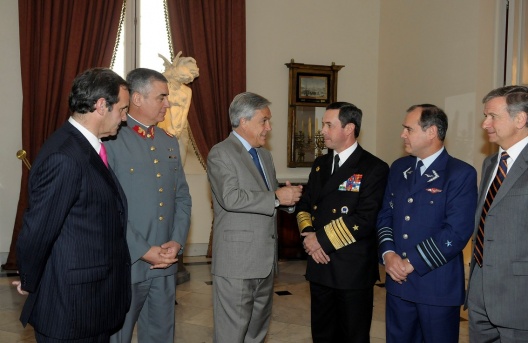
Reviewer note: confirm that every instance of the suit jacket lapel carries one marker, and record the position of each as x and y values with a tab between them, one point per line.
517	169
93	158
344	172
267	164
247	160
488	173
433	172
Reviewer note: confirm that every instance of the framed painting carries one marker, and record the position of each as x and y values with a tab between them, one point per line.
311	89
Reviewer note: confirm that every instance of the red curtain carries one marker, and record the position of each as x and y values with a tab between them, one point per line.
213	33
58	40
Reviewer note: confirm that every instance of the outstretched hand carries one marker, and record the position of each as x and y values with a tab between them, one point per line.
289	195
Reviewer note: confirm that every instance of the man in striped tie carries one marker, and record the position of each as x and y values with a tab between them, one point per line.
496	296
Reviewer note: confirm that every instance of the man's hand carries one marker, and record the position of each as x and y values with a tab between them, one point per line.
163	256
396	267
320	256
313	248
310	242
289	195
18	285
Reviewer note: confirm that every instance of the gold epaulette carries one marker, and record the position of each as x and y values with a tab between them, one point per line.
303	220
338	233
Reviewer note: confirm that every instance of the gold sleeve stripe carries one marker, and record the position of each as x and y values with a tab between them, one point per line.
345	231
339	234
332	237
304	220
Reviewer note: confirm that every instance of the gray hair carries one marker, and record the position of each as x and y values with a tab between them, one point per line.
516	98
244	105
140	80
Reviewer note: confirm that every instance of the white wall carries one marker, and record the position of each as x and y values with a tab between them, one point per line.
440	53
312	32
396	53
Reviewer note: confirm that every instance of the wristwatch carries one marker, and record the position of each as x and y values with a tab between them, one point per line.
277	202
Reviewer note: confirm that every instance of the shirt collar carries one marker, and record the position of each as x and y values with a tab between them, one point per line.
429	160
345	154
514	151
94	141
242	140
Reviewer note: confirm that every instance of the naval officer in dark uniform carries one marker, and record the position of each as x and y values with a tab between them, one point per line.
147	162
337	217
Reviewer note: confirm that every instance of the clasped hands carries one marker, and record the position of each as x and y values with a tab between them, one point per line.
289	195
164	256
396	267
313	248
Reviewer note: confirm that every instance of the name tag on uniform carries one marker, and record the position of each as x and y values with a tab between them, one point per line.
352	184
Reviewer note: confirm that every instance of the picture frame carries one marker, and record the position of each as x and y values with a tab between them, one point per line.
311	89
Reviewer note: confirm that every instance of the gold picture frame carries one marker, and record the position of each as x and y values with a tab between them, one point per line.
311	89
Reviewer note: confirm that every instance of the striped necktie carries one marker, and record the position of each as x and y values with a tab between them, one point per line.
492	191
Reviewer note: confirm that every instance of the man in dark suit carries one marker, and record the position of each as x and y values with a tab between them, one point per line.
337	217
424	224
496	296
72	253
246	197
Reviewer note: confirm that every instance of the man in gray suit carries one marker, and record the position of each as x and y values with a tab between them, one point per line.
246	197
147	163
496	297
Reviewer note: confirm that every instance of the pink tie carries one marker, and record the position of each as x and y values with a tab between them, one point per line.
102	153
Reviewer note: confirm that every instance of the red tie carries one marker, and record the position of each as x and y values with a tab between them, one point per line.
492	191
103	155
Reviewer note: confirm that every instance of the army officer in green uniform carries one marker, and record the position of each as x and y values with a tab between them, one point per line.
147	163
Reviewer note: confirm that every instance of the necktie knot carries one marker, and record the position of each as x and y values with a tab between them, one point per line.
504	156
417	171
336	164
103	155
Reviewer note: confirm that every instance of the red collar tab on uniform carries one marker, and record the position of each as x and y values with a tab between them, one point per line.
148	133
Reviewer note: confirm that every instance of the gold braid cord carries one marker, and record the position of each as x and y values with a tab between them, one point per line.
167	27
119	29
303	220
339	234
195	148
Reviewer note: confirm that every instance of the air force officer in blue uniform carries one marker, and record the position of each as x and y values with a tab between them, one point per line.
426	220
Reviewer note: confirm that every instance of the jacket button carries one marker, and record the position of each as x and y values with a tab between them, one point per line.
407	218
410	200
405	236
